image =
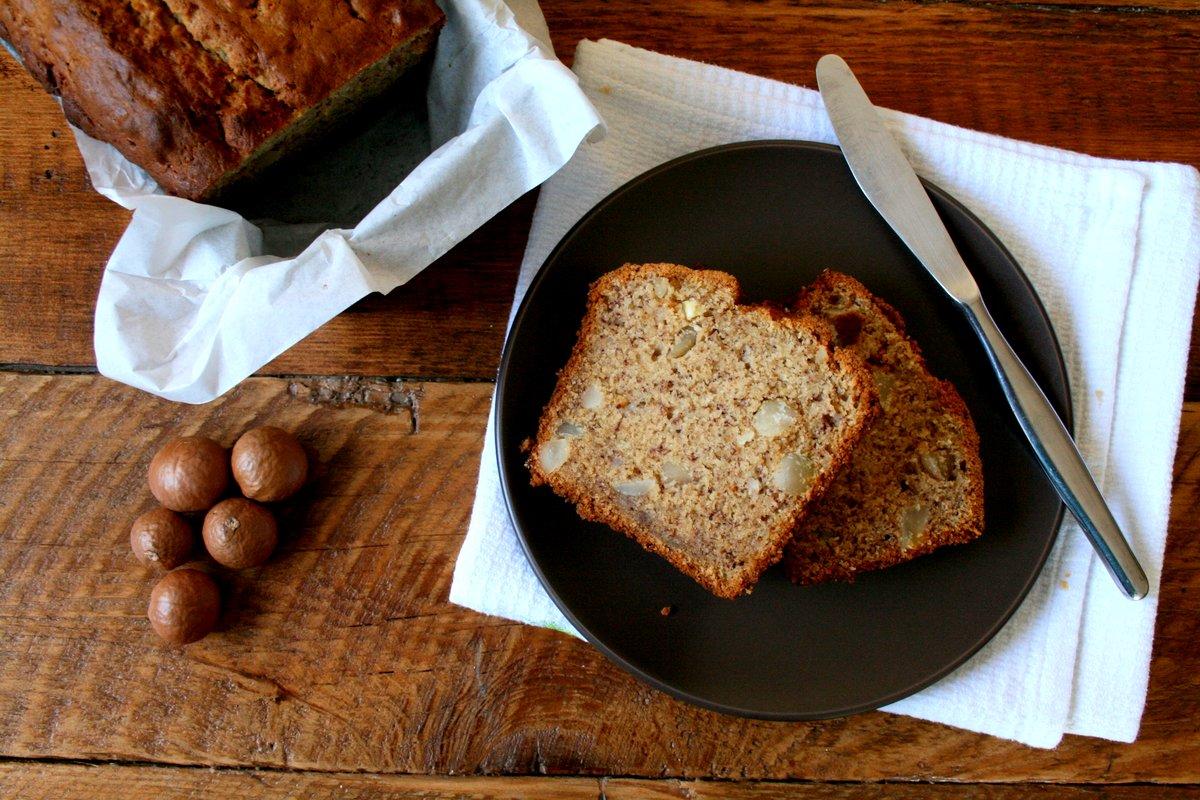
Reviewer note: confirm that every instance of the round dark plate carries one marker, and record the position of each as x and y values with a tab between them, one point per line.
775	214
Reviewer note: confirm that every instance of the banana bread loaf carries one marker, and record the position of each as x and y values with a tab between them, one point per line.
697	426
201	93
915	481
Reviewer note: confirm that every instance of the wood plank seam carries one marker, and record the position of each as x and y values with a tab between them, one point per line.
31	368
48	369
601	780
1064	8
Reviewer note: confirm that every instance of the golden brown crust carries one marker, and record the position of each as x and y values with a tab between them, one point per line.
587	505
809	559
194	90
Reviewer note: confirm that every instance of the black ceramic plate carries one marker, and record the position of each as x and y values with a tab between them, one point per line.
775	214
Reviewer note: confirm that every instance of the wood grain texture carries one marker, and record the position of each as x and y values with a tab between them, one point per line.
343	654
40	781
1103	79
445	323
51	272
1102	83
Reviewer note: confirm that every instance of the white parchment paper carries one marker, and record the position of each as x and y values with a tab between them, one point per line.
190	304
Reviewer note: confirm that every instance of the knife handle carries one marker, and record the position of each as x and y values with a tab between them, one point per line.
1059	457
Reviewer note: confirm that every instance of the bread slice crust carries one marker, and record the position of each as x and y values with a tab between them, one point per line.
726	519
915	482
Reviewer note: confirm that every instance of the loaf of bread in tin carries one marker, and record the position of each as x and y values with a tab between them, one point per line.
202	93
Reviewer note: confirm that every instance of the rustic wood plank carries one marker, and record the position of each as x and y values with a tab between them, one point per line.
1191	389
343	654
1104	81
445	323
1157	7
57	781
51	272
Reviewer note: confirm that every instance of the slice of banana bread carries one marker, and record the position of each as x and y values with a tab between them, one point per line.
915	481
697	426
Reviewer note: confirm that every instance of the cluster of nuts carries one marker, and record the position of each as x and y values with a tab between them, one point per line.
190	475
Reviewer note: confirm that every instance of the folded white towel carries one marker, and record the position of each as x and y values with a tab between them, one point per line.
1113	249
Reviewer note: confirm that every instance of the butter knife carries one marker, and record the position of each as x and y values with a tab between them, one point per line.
889	182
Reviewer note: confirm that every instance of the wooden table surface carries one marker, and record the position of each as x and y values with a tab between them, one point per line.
340	670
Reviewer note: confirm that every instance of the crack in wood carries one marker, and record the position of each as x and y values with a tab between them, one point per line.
342	548
257	684
46	369
277	692
393	618
387	396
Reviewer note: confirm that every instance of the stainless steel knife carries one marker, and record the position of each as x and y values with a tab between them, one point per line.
889	182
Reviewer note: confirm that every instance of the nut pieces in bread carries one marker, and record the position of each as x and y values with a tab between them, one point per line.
711	432
915	482
698	426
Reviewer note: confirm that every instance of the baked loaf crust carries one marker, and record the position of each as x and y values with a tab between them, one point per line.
701	428
915	482
201	93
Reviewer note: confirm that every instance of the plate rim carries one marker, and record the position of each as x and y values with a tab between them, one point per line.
588	635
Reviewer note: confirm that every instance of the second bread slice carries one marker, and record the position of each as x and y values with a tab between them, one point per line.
915	482
700	427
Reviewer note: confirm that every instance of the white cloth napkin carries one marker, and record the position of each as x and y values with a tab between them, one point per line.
1113	249
191	302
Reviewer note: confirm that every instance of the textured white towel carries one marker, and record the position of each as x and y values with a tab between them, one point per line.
1113	249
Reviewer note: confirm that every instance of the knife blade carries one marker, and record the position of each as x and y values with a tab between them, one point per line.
893	188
